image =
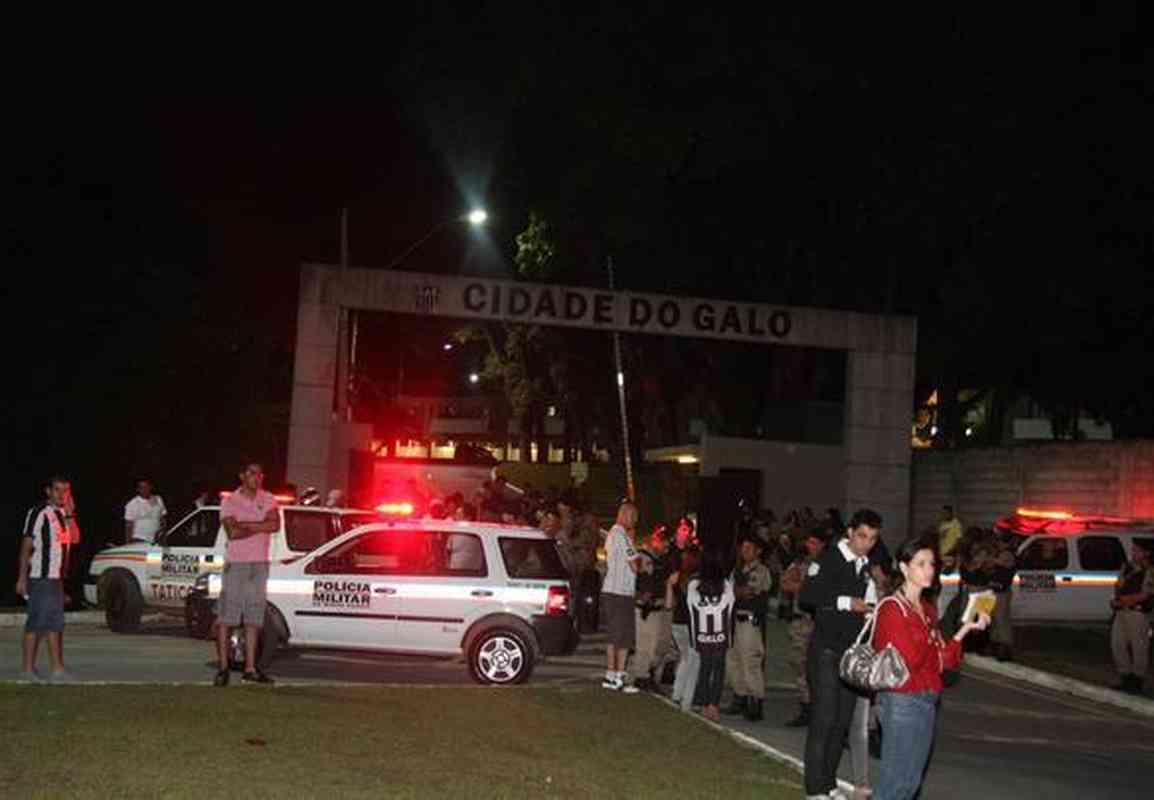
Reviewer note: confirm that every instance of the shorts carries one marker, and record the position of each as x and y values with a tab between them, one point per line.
45	606
620	620
243	593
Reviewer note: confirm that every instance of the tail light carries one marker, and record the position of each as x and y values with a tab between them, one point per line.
557	603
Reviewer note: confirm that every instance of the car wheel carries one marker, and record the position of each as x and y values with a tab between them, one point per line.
123	603
501	657
272	637
199	622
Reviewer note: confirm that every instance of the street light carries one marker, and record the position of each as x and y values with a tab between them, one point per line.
477	217
474	377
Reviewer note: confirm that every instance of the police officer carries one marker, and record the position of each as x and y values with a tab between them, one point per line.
1002	568
1130	631
801	626
751	582
652	617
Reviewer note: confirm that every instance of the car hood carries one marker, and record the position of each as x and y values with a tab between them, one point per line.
134	549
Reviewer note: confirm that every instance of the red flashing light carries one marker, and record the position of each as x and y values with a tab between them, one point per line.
396	509
1060	523
557	603
1037	514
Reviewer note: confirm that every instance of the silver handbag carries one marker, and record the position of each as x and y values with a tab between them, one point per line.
863	667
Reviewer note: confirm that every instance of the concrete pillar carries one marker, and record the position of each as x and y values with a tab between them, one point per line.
314	377
879	403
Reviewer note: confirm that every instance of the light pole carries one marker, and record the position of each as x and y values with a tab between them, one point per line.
475	218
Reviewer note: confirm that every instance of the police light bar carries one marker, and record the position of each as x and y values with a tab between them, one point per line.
1037	514
396	509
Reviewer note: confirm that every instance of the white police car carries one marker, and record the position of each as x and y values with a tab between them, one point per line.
126	580
496	594
1067	564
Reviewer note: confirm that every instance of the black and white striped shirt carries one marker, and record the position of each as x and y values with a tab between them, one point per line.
709	618
47	527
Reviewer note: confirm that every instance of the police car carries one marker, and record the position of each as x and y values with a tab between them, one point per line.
498	595
1067	564
128	579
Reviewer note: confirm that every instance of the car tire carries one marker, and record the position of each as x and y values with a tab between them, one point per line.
273	636
501	656
200	625
123	603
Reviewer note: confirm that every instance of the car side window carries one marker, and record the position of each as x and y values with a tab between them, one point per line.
375	553
1101	553
199	530
1045	553
460	554
307	530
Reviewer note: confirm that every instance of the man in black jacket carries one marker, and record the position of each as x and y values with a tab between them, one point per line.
838	591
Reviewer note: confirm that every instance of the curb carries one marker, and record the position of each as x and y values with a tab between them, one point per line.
71	618
1060	683
744	739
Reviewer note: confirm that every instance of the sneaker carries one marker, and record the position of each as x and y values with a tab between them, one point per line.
629	688
61	676
221	678
30	676
612	683
257	677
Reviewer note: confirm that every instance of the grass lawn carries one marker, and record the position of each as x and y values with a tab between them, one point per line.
172	742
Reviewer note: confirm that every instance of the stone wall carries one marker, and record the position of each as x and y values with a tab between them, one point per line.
987	483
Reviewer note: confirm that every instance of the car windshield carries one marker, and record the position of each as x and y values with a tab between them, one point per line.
531	558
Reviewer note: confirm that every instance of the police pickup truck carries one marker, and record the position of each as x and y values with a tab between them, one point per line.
128	579
1067	564
497	594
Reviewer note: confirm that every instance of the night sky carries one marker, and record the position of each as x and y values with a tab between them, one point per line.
990	174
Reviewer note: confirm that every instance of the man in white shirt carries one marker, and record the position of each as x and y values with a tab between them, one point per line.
144	514
622	562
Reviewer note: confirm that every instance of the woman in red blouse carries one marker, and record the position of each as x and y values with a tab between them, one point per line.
906	714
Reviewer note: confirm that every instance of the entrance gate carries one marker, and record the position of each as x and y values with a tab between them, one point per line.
880	360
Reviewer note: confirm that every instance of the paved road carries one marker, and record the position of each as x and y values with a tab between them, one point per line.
997	738
163	653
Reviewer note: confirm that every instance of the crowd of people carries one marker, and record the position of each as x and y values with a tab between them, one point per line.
669	602
679	613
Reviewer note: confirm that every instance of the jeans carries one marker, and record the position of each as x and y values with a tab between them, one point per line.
712	676
859	742
833	704
907	722
688	665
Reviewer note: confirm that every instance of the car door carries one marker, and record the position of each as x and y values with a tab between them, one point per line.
1042	589
447	589
184	552
1100	559
348	594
